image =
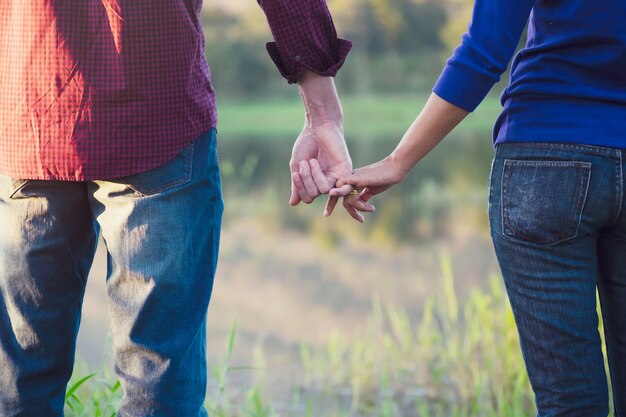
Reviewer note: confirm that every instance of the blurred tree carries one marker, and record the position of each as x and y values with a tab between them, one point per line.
239	63
459	14
398	46
400	25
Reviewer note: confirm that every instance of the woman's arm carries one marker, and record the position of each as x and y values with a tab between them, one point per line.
475	66
433	124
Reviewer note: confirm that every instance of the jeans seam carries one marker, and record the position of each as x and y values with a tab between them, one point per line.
619	189
502	200
583	200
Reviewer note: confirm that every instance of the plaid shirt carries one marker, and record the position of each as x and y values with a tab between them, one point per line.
93	89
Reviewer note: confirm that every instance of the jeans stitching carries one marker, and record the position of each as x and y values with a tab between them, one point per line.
592	149
187	155
619	187
16	185
490	186
502	190
582	198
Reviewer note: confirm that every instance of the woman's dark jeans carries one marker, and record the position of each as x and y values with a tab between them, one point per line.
559	229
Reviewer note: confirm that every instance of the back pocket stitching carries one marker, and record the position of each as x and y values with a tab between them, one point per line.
584	168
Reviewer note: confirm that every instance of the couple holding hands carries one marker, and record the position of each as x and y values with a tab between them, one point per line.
107	128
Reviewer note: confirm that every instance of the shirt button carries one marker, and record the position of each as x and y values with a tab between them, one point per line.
298	58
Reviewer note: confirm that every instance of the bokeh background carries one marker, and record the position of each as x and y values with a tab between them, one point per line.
402	316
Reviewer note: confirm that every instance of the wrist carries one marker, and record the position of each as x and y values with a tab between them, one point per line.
400	163
320	99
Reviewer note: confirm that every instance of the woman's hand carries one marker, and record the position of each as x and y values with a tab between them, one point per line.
370	180
435	121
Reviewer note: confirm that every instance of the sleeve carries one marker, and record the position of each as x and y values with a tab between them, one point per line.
485	51
305	38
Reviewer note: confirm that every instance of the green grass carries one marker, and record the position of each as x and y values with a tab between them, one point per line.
462	359
365	116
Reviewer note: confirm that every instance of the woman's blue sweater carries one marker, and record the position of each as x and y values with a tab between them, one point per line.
567	85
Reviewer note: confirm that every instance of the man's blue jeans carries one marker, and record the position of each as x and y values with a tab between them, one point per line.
161	230
558	222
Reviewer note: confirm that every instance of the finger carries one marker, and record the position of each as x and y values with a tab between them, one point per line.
342	191
353	212
298	183
352	179
319	177
364	206
359	204
359	201
307	179
330	205
294	166
294	200
365	195
369	192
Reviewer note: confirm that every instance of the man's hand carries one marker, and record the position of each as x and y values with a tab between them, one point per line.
320	155
319	158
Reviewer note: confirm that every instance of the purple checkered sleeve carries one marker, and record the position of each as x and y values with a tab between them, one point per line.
305	38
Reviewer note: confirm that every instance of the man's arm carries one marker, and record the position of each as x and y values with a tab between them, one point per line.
320	155
307	51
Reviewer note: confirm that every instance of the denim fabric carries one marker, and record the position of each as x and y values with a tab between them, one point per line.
559	229
161	230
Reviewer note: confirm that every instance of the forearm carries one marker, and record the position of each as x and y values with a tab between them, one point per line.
320	99
432	125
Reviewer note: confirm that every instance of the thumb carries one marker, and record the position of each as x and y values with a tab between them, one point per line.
340	191
344	185
354	179
345	179
294	199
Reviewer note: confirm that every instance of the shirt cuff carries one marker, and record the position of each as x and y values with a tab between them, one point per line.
461	87
319	62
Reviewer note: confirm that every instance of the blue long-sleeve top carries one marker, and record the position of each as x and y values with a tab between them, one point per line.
568	84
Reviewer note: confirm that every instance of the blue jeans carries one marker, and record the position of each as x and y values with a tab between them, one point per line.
161	230
558	224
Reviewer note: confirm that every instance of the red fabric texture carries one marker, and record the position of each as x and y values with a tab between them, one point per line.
99	89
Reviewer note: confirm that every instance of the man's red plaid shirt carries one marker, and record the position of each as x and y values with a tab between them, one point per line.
98	89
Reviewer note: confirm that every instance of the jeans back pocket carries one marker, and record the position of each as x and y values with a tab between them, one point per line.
10	187
543	201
